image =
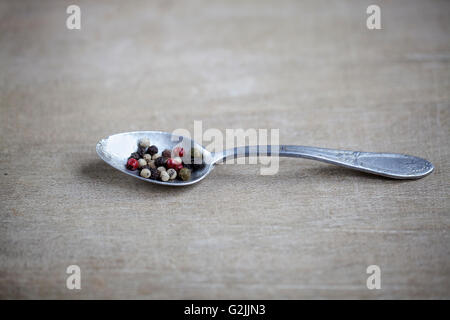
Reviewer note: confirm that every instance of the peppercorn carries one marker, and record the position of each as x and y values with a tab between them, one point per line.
132	164
164	176
166	166
153	150
172	173
151	164
144	143
196	153
161	169
141	151
178	152
147	157
160	162
134	155
185	174
167	153
198	166
145	173
142	163
175	163
197	162
154	174
170	163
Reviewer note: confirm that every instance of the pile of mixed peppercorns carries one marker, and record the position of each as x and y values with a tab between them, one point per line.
164	166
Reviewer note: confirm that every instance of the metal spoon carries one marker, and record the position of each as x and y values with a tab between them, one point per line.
116	149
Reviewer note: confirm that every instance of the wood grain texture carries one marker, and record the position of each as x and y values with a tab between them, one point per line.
310	68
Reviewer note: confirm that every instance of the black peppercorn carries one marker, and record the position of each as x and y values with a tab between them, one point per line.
198	166
188	165
153	150
154	174
194	166
196	162
134	155
141	151
167	153
160	162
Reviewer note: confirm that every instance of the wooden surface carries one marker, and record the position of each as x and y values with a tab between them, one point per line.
310	68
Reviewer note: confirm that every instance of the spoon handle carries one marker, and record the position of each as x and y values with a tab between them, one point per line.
393	165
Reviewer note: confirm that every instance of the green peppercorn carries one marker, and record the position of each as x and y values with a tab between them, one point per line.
185	174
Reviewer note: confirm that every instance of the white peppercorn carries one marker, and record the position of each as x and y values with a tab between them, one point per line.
172	173
156	156
164	176
147	157
144	143
151	164
145	173
142	163
161	169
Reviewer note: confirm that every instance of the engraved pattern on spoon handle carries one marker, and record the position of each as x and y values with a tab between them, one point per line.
391	165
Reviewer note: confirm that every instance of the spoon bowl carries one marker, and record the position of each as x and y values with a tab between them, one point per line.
116	149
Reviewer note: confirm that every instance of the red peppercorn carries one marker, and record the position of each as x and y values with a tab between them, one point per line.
132	164
178	152
178	167
170	163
